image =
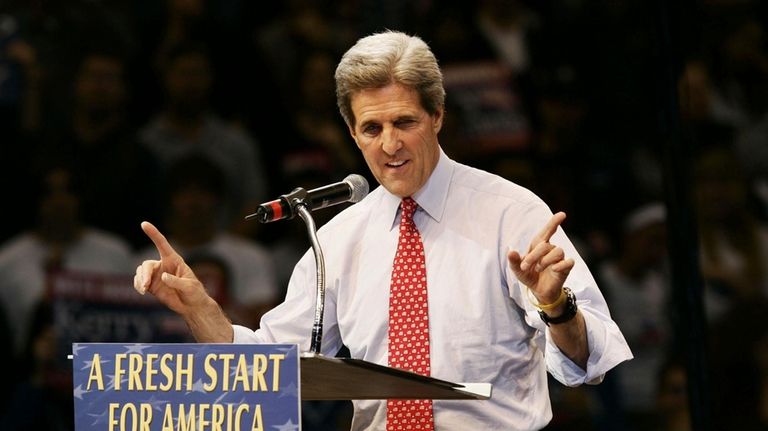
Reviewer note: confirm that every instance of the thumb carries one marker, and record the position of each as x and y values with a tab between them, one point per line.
173	281
514	261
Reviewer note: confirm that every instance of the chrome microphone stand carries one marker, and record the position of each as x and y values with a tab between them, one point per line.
317	326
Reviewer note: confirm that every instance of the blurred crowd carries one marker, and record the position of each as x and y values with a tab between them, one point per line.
189	113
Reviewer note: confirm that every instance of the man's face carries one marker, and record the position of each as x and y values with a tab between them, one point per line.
397	136
99	86
188	82
194	208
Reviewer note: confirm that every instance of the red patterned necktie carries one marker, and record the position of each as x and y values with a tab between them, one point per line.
409	323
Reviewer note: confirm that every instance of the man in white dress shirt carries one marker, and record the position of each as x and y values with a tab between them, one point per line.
509	297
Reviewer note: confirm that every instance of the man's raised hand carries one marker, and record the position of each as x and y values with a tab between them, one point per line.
169	278
544	268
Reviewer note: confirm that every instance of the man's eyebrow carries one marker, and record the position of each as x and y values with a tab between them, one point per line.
403	117
365	123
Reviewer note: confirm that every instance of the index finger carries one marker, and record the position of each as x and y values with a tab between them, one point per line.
549	229
161	243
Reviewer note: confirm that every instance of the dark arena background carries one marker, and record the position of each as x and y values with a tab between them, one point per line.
646	121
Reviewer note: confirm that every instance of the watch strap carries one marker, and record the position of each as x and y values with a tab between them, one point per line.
569	313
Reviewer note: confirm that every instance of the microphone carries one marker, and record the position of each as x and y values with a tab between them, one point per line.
352	189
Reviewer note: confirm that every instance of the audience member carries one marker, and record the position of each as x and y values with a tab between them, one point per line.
507	26
701	101
186	126
38	400
320	130
703	105
634	283
100	146
303	26
733	242
59	241
741	68
222	26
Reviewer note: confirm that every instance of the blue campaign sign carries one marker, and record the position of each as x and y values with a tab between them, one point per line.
186	387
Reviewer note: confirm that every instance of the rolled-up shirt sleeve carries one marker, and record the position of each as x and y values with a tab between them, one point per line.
607	348
245	335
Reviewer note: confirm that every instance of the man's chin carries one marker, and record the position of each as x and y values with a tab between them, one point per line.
398	188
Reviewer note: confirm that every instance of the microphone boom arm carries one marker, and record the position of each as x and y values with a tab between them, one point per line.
317	326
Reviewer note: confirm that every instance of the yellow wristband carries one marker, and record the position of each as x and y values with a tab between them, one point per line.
546	307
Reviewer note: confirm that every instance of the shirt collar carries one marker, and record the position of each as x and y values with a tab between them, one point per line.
432	196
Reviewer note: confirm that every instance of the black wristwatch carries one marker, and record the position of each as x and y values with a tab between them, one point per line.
568	314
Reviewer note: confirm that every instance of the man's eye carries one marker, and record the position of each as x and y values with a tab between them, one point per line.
405	123
371	129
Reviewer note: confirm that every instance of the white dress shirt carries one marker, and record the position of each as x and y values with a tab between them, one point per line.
482	327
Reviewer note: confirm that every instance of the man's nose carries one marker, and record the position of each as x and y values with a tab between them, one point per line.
390	141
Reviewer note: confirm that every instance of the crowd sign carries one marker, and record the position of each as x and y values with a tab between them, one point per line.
97	308
186	387
488	107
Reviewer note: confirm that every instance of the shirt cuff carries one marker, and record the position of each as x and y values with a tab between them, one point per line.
604	353
243	335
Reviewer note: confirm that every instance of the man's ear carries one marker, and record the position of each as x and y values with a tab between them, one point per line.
437	119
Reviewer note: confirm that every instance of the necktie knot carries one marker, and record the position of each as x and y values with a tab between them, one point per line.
408	206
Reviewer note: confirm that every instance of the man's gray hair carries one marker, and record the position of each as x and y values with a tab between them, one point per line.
385	58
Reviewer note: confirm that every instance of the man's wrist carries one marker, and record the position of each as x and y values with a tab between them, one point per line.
209	324
564	311
557	311
549	305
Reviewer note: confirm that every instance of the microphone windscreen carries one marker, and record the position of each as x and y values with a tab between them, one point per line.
359	187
